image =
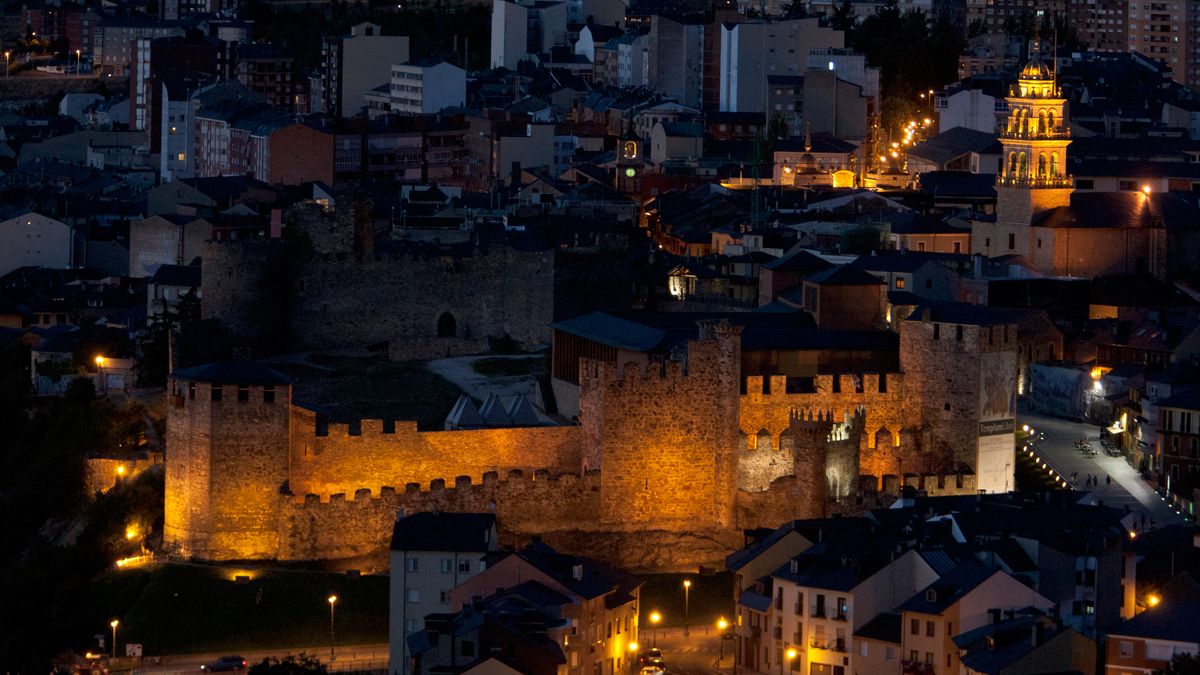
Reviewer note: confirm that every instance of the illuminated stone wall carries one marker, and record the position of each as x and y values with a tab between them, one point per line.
342	462
666	439
351	525
887	412
227	463
102	473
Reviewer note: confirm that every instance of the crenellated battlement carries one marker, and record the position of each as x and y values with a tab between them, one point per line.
774	388
514	479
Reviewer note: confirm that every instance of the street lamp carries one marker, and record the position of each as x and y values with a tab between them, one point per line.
100	372
789	656
77	64
722	624
655	617
6	67
332	600
114	623
633	647
687	586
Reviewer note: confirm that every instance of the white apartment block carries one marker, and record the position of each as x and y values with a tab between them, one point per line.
423	88
753	51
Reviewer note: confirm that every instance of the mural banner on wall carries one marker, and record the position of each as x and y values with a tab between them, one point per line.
997	421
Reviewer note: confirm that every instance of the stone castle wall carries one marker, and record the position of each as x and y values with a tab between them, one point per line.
223	492
766	406
667	438
347	525
947	363
338	300
377	455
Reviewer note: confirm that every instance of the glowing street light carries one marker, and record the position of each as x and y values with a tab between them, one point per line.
1153	600
687	586
130	532
722	624
120	469
789	656
655	617
1146	189
332	601
114	623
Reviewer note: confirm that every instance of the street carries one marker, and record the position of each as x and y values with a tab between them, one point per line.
1127	488
695	654
347	657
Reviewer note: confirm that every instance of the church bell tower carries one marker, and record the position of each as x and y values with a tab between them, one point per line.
1032	176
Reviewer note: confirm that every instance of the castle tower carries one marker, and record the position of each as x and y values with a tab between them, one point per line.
1032	177
227	461
811	431
665	436
960	367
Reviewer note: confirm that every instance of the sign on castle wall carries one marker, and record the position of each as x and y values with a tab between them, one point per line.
997	421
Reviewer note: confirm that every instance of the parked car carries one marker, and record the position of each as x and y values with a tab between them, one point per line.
225	664
652	657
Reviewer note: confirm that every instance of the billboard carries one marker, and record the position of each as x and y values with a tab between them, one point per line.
996	451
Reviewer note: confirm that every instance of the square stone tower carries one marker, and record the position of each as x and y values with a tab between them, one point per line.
227	461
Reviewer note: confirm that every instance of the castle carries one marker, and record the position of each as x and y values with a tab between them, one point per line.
668	463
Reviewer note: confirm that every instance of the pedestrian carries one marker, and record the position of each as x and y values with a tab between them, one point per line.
1107	479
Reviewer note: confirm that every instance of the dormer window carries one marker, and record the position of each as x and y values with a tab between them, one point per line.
930	595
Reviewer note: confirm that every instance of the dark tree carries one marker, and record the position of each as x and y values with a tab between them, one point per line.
301	664
1182	664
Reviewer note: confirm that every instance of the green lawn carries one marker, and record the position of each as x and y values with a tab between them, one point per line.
710	598
177	608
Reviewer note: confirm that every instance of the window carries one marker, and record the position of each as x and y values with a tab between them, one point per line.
464	566
921	246
269	393
447	565
914	655
468	648
958	333
958	247
216	392
929	657
937	331
862	648
899	282
243	393
191	391
444	596
1126	649
414	595
1012	241
410	626
1127	186
928	629
889	653
914	627
411	565
182	157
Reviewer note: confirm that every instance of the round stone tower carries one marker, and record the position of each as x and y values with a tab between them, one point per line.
226	461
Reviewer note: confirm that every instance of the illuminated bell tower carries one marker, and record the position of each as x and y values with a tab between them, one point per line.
1032	176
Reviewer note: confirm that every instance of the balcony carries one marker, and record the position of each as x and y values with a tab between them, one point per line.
840	616
1048	182
778	632
1061	133
817	612
799	609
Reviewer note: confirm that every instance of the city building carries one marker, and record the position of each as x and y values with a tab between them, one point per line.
113	40
961	600
426	87
34	240
431	554
354	64
523	29
600	602
751	52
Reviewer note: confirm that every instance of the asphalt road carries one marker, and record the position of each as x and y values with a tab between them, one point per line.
348	657
695	654
1127	488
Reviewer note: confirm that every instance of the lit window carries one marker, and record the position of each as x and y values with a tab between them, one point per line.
182	157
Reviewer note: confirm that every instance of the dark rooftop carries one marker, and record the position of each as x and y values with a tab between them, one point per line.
457	532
